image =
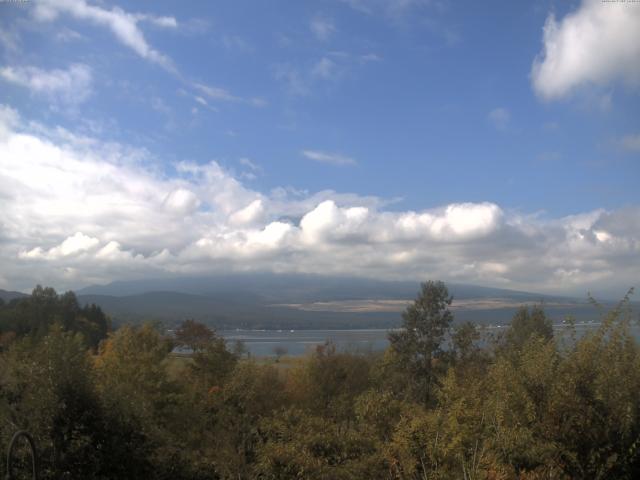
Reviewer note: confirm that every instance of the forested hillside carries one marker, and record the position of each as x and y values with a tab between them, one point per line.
440	403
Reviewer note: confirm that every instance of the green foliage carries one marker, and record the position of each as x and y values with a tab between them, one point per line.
464	340
131	373
252	392
47	388
194	335
33	316
527	323
329	382
595	414
211	365
418	345
299	446
529	409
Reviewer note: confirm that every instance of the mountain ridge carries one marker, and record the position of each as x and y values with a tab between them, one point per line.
303	301
306	301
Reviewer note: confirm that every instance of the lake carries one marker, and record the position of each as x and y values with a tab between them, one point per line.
262	343
299	342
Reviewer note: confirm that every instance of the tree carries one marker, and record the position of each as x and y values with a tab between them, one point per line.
329	382
47	387
33	316
593	417
211	365
133	381
233	416
194	335
418	344
463	339
527	323
298	445
132	377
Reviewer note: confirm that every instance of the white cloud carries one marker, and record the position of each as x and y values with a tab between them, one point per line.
249	164
455	222
249	214
595	45
499	117
9	119
221	94
123	25
216	93
322	27
331	158
329	222
72	85
251	169
77	211
73	245
163	22
68	35
182	201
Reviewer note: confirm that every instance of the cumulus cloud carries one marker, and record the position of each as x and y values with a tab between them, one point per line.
597	44
330	158
182	201
123	24
455	222
78	211
249	214
9	118
72	85
73	245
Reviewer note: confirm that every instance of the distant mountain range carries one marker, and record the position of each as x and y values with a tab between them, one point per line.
304	301
290	288
7	295
307	301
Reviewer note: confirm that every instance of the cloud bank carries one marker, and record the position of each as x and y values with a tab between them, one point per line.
78	211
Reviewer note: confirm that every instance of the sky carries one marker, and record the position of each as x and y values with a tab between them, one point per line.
493	143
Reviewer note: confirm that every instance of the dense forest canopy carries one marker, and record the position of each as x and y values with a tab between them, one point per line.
105	404
34	315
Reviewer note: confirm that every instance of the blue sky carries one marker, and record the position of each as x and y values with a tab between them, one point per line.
399	107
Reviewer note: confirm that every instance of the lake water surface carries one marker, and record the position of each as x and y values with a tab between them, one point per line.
300	342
